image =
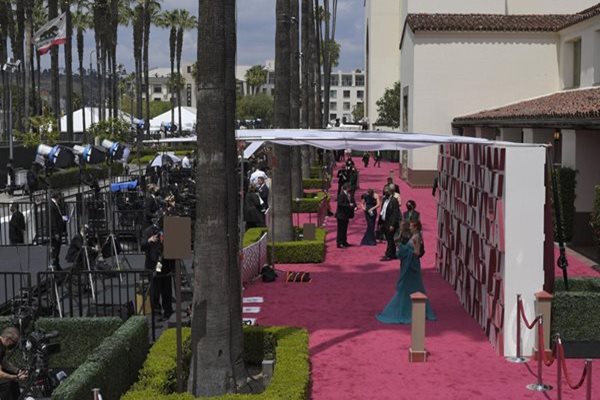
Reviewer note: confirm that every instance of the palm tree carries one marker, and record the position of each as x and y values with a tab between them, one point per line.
82	21
138	38
282	178
53	13
256	76
185	22
66	8
40	17
29	64
307	78
217	337
168	19
151	13
295	96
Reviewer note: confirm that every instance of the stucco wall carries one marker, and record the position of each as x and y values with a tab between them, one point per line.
458	74
589	33
587	145
548	6
382	66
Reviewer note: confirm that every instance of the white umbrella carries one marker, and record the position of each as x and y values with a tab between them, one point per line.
165	159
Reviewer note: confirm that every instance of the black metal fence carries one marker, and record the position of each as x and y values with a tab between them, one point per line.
81	293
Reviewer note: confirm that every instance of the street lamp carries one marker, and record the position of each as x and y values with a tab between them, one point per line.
10	67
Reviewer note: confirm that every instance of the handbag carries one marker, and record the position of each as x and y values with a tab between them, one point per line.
292	276
268	274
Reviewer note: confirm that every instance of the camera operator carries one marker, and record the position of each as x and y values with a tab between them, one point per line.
151	204
58	226
9	374
161	286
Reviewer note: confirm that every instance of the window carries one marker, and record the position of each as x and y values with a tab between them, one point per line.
346	106
271	78
333	94
157	88
360	94
576	63
264	90
157	99
335	80
346	80
405	109
346	94
359	80
188	94
189	69
332	106
332	117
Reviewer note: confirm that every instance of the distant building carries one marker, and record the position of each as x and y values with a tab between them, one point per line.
159	85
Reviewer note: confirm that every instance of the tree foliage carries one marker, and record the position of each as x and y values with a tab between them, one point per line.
334	50
43	129
358	112
388	107
113	129
256	76
253	107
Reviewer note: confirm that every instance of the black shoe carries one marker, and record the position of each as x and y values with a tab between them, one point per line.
341	246
385	258
348	245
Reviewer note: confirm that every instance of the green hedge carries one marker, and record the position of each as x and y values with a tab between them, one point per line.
78	337
576	313
252	235
113	366
300	251
291	379
316	172
309	204
315	184
595	217
566	181
148	156
69	177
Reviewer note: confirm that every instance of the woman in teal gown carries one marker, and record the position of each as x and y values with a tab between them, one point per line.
399	309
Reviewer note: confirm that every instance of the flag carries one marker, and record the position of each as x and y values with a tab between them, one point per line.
53	33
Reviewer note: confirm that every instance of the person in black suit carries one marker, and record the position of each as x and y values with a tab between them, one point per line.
390	221
151	204
396	188
263	192
16	230
411	214
353	181
253	209
58	227
161	291
344	212
343	176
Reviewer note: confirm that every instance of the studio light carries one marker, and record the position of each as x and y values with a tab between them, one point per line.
168	127
116	151
56	156
90	154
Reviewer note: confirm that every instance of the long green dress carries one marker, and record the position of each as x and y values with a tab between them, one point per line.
399	309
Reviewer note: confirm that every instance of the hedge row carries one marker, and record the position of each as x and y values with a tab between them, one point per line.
315	184
566	181
316	172
291	379
252	235
576	313
78	337
309	204
113	366
300	251
69	177
595	218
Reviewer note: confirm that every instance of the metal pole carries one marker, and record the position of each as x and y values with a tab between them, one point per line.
92	91
539	386
178	326
558	367
588	389
519	357
10	133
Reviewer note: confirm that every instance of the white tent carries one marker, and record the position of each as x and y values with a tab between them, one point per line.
188	119
92	116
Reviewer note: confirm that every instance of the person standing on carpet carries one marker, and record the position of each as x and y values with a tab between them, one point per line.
399	309
390	221
344	212
370	204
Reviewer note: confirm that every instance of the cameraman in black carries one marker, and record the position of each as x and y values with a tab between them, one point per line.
161	291
9	374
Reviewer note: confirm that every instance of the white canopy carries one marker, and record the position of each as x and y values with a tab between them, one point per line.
92	116
188	119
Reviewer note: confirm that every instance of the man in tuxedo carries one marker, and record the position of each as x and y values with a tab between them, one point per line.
161	291
345	211
263	192
151	204
16	231
390	221
58	226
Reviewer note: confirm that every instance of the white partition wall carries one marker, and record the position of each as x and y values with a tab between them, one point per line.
491	233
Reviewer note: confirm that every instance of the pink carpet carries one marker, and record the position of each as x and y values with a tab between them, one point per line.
353	356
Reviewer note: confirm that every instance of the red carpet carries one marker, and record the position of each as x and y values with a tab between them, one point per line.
353	356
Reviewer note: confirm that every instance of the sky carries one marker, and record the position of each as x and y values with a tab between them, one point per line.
256	36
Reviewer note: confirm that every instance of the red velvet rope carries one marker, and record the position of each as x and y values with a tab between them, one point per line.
561	354
542	346
522	313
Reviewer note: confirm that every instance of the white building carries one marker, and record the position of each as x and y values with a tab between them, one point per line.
159	85
533	75
382	54
347	91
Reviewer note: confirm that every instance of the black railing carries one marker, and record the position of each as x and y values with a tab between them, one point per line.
13	285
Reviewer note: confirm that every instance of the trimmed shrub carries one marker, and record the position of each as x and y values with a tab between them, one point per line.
315	184
595	217
309	204
291	379
113	365
252	235
316	172
576	313
300	251
566	181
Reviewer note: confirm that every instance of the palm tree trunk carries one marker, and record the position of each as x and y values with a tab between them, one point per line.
29	90
217	337
38	72
319	117
80	50
19	51
172	49
307	78
65	4
295	96
53	13
138	32
179	51
147	21
282	177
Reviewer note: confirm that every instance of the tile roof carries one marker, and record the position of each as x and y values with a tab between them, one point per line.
497	22
573	104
